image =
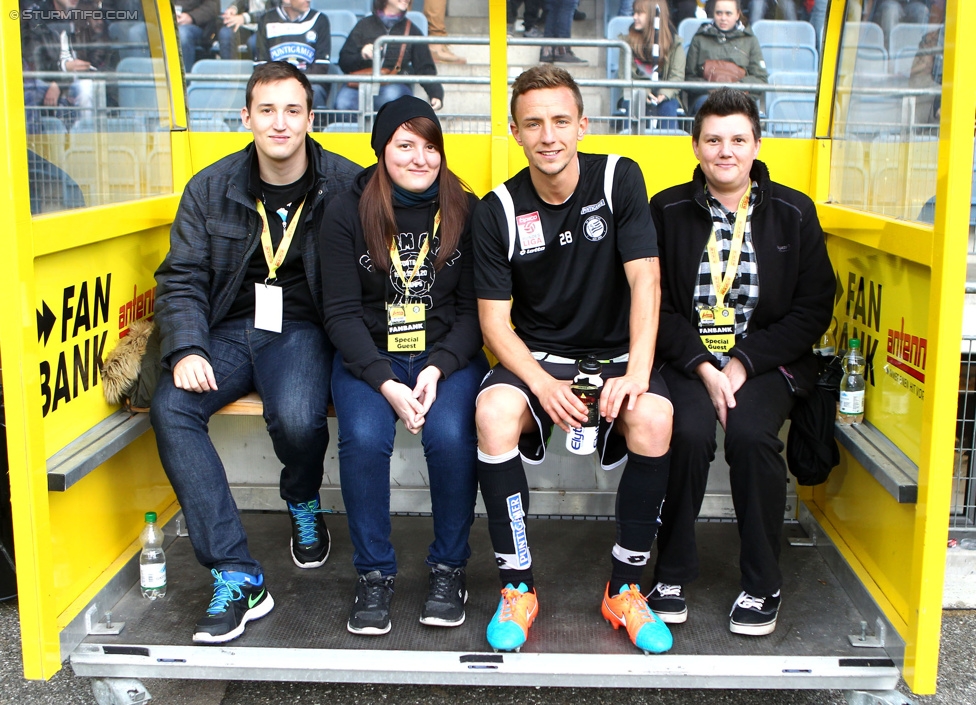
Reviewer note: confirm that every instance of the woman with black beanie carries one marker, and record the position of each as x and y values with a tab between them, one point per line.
401	310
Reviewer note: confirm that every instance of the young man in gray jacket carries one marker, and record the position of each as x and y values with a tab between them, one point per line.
239	308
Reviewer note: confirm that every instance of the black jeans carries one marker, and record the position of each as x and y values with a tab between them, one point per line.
757	472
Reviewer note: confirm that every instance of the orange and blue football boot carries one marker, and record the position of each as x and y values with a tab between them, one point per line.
629	609
509	628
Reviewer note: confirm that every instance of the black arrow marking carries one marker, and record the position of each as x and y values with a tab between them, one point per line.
45	322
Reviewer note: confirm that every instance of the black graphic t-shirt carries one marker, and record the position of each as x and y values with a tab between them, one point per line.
297	303
563	264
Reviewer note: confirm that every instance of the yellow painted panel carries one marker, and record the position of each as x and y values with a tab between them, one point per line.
69	229
85	298
877	529
883	300
911	241
850	555
87	595
94	522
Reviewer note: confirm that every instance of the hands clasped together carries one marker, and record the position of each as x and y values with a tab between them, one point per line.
412	405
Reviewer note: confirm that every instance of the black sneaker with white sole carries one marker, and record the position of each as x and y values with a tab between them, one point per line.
371	611
754	616
238	598
310	540
446	596
668	603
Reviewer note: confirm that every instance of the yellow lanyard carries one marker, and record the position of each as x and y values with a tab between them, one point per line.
421	256
721	285
274	259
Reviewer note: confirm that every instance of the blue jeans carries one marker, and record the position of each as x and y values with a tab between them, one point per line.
291	371
348	98
818	15
230	41
666	108
191	36
559	18
367	424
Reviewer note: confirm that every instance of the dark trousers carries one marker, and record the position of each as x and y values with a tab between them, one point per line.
291	371
532	14
757	472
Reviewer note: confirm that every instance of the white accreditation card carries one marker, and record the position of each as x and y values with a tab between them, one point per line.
267	307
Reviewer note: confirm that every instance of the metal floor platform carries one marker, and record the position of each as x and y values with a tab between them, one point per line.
305	637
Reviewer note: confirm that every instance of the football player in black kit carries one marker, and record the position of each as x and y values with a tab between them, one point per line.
566	252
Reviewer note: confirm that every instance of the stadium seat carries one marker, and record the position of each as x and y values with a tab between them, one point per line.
903	45
360	8
688	28
784	32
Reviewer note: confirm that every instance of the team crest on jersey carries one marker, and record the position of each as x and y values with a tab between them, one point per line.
531	237
595	228
311	35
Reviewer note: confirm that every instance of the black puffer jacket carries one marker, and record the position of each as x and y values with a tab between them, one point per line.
796	280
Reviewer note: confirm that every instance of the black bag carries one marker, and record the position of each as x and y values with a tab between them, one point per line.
811	449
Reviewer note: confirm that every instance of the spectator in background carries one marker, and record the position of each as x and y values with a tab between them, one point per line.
533	17
197	25
685	9
389	17
926	71
818	16
67	46
295	33
240	25
786	10
658	54
120	31
559	24
435	11
889	13
725	39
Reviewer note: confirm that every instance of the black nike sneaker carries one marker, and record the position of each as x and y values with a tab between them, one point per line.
371	611
446	596
310	540
238	598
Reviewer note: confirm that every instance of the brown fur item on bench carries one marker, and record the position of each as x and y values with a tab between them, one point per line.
122	366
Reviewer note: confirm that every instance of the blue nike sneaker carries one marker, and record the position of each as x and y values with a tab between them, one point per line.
238	598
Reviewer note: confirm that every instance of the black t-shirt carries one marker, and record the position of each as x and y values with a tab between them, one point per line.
297	303
563	264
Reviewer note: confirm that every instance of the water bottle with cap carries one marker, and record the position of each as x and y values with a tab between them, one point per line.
850	410
152	560
586	387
